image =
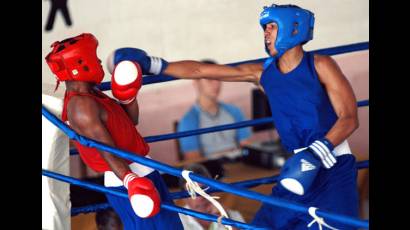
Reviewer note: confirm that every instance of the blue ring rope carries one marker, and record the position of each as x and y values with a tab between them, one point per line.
235	125
90	208
218	128
177	172
326	51
184	194
363	103
168	206
253	183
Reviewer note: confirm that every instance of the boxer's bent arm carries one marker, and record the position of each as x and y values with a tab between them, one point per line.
341	96
84	118
195	70
132	111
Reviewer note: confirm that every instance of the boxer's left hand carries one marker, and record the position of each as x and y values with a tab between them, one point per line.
126	81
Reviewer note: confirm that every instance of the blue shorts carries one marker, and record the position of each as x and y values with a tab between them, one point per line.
334	190
165	219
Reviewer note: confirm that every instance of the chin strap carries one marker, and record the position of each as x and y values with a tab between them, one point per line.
320	221
193	187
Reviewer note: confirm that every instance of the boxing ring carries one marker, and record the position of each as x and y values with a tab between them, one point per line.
238	188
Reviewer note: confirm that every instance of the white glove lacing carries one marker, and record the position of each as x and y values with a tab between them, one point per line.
193	188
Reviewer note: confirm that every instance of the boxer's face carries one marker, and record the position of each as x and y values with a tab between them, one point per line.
271	31
201	204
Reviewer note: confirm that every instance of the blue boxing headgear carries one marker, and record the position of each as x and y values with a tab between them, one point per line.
295	26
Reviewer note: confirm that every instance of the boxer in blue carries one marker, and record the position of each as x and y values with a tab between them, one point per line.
313	107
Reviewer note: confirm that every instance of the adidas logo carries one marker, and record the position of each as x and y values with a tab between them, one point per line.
306	165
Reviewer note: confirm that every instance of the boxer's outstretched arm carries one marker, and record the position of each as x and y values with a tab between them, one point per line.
195	70
341	96
187	69
84	117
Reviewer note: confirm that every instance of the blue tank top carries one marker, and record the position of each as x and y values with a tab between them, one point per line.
300	106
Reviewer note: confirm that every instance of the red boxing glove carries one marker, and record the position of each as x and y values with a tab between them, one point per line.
144	197
126	81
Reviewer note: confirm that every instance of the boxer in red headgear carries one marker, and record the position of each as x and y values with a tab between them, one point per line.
93	114
75	59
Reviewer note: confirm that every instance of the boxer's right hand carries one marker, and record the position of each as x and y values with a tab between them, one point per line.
144	197
126	81
149	64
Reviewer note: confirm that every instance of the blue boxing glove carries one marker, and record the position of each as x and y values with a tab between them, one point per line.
299	172
149	64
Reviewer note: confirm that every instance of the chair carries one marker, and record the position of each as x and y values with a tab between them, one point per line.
177	144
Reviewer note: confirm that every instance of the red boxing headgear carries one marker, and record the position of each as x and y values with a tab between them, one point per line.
75	59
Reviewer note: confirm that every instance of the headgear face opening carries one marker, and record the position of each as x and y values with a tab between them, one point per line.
295	26
75	59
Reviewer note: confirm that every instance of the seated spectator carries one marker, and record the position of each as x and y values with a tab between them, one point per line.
201	204
208	111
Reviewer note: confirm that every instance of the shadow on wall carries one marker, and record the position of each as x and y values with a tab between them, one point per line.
57	5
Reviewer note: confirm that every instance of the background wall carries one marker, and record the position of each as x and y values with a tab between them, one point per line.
225	30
